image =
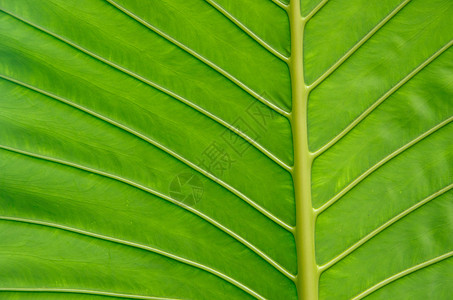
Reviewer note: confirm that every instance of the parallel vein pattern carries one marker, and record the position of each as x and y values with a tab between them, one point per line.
382	170
162	196
201	58
249	32
170	93
135	245
244	131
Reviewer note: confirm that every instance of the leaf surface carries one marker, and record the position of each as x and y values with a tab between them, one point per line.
192	149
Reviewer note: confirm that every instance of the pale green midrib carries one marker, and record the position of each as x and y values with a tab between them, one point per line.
307	278
164	197
402	274
194	264
307	269
199	57
166	91
213	117
83	292
379	164
384	226
250	33
378	102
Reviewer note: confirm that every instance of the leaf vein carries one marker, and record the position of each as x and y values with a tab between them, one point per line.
84	292
196	212
201	58
139	246
314	11
384	226
163	148
281	4
247	31
378	102
177	97
379	164
402	274
357	46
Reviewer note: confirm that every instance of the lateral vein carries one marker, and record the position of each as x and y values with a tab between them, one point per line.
160	147
85	292
402	274
378	102
201	58
196	212
384	226
247	31
281	4
314	11
140	246
368	172
175	96
356	47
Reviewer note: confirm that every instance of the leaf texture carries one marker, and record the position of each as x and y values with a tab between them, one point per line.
151	149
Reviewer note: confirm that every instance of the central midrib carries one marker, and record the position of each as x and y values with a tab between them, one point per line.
307	269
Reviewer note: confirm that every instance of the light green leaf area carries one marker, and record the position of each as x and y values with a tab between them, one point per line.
150	149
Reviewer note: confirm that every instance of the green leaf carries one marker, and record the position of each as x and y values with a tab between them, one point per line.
226	149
